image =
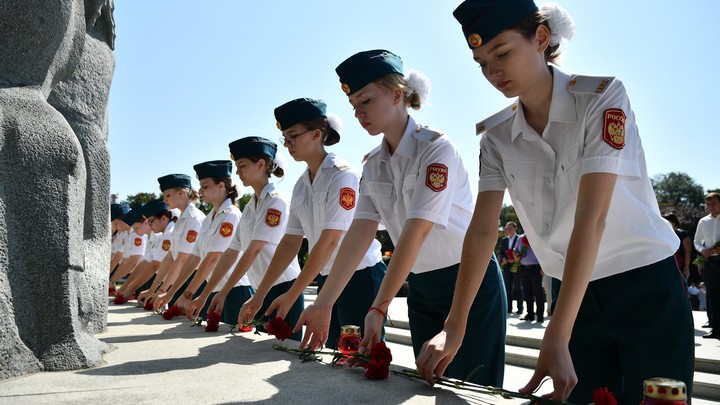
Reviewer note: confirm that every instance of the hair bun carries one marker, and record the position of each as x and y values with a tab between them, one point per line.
562	26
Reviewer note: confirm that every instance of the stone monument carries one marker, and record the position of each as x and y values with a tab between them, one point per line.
56	65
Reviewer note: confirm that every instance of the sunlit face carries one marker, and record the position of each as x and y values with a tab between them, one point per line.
250	172
175	197
713	206
373	107
211	192
141	228
300	141
509	229
512	63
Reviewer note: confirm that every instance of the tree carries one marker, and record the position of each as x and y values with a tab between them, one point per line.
139	199
677	189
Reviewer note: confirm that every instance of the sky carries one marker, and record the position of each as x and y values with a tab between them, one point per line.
191	77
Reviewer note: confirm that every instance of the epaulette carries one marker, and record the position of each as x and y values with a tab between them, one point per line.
589	84
274	194
341	164
369	154
428	134
228	208
496	119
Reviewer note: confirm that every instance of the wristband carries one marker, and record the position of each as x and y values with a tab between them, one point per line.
384	314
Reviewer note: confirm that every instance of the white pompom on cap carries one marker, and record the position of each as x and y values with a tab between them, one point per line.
335	122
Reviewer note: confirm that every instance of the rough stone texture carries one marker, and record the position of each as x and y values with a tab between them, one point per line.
55	73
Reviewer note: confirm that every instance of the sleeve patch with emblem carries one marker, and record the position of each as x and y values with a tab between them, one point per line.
614	128
437	177
347	198
166	245
226	229
191	236
272	218
138	241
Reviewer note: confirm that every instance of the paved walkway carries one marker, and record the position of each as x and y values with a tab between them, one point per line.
154	361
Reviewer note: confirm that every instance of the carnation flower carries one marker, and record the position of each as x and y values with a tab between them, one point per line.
148	305
213	321
111	291
119	299
171	312
602	396
279	328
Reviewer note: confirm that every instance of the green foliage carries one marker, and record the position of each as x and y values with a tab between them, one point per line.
139	199
677	189
242	201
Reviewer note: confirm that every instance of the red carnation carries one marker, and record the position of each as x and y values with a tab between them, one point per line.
148	305
602	396
377	370
380	353
119	299
213	321
245	328
510	255
525	241
279	328
171	312
111	291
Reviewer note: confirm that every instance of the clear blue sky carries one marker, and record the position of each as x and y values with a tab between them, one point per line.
193	76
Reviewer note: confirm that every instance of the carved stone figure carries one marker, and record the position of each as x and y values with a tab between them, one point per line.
56	65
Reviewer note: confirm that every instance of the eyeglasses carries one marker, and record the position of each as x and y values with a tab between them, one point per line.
291	139
150	221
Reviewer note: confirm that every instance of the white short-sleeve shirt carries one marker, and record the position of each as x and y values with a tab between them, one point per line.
118	242
216	233
328	202
591	129
152	243
265	219
426	179
134	244
162	248
187	230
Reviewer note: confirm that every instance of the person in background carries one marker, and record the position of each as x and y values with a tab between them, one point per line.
511	273
682	255
707	243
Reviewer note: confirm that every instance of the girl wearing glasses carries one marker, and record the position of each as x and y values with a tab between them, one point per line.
321	209
569	154
261	228
416	185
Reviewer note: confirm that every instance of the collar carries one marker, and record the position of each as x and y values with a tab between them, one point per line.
405	148
169	226
269	188
186	213
222	206
562	106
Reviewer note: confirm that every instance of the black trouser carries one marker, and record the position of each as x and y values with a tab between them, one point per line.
533	289
513	287
711	278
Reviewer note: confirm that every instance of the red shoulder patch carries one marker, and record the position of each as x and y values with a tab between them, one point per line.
272	218
191	236
166	245
347	198
138	241
226	229
614	127
437	177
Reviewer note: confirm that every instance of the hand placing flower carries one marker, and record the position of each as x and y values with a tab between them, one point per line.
148	305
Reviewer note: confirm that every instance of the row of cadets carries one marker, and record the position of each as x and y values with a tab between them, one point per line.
569	153
119	232
135	243
321	209
177	193
417	186
261	227
161	220
217	232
